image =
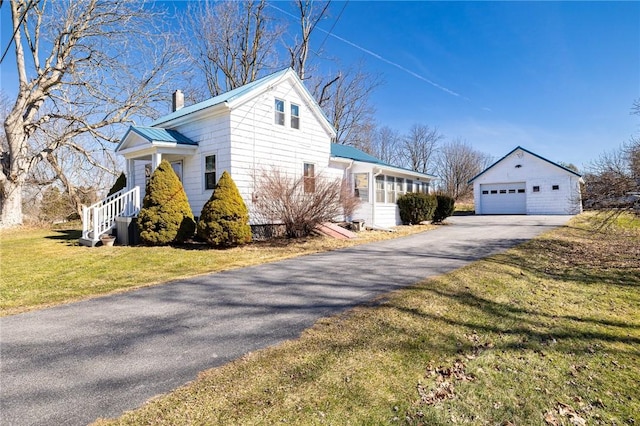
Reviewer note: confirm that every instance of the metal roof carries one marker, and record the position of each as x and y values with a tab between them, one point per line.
155	134
222	98
345	151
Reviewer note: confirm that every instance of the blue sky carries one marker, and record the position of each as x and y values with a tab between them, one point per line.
557	78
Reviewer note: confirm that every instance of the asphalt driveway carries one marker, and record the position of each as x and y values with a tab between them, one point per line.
97	358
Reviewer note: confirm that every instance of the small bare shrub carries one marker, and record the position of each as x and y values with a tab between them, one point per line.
281	199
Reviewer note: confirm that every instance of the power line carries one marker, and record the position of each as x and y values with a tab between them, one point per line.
333	26
15	31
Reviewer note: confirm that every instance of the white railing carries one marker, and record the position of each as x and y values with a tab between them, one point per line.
100	217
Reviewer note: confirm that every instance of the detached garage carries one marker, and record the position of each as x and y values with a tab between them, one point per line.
522	182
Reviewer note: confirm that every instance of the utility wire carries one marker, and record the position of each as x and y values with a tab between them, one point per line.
13	36
330	29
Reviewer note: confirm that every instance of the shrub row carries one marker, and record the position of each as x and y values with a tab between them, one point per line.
415	208
166	215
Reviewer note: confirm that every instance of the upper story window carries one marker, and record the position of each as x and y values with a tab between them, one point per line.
309	178
295	116
210	172
279	112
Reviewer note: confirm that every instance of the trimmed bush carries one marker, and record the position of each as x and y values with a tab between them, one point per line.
224	221
416	207
165	216
120	184
444	209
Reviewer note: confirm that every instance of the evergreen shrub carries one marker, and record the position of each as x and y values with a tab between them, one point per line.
416	207
444	209
224	221
165	216
119	184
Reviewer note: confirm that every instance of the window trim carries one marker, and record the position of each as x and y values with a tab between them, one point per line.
279	116
205	172
296	116
309	182
361	192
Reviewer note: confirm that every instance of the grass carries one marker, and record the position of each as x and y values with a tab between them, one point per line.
44	267
545	333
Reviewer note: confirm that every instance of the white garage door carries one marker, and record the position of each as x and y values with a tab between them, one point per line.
503	198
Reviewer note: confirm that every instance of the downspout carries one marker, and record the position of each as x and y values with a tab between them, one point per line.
375	201
346	171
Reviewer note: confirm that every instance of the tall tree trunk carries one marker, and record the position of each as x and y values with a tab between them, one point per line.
11	204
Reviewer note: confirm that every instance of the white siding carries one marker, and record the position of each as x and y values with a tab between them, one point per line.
259	144
521	166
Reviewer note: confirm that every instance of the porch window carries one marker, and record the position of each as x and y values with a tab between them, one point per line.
379	189
309	178
399	187
391	193
295	116
210	172
361	184
409	185
279	112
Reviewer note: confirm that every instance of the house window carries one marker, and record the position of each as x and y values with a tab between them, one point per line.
536	189
379	189
409	185
209	172
361	184
147	174
391	193
279	108
295	116
309	178
399	187
555	187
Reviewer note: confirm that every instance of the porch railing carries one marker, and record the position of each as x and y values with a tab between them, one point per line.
100	217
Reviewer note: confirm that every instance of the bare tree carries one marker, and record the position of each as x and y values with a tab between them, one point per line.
387	145
613	180
419	147
287	200
347	105
457	162
236	43
311	12
79	74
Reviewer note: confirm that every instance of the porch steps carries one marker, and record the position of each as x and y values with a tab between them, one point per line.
335	231
100	218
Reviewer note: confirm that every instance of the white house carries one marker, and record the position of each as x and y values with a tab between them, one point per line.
522	182
273	122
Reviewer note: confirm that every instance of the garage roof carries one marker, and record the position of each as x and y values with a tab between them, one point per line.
528	152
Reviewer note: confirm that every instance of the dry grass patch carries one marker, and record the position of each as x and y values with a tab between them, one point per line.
546	333
42	267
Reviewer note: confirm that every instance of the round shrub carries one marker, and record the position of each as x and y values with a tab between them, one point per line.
444	209
224	221
120	184
165	216
415	207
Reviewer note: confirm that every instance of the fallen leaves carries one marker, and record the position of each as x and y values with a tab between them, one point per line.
445	376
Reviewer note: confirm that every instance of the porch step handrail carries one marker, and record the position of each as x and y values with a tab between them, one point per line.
100	217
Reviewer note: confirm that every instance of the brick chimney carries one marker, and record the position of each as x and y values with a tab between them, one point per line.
177	100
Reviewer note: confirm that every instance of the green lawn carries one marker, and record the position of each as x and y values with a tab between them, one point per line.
546	333
42	267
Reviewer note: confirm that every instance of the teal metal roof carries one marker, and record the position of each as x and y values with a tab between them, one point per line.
220	99
154	134
528	152
345	151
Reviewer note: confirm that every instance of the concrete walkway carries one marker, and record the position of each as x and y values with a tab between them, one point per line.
97	358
